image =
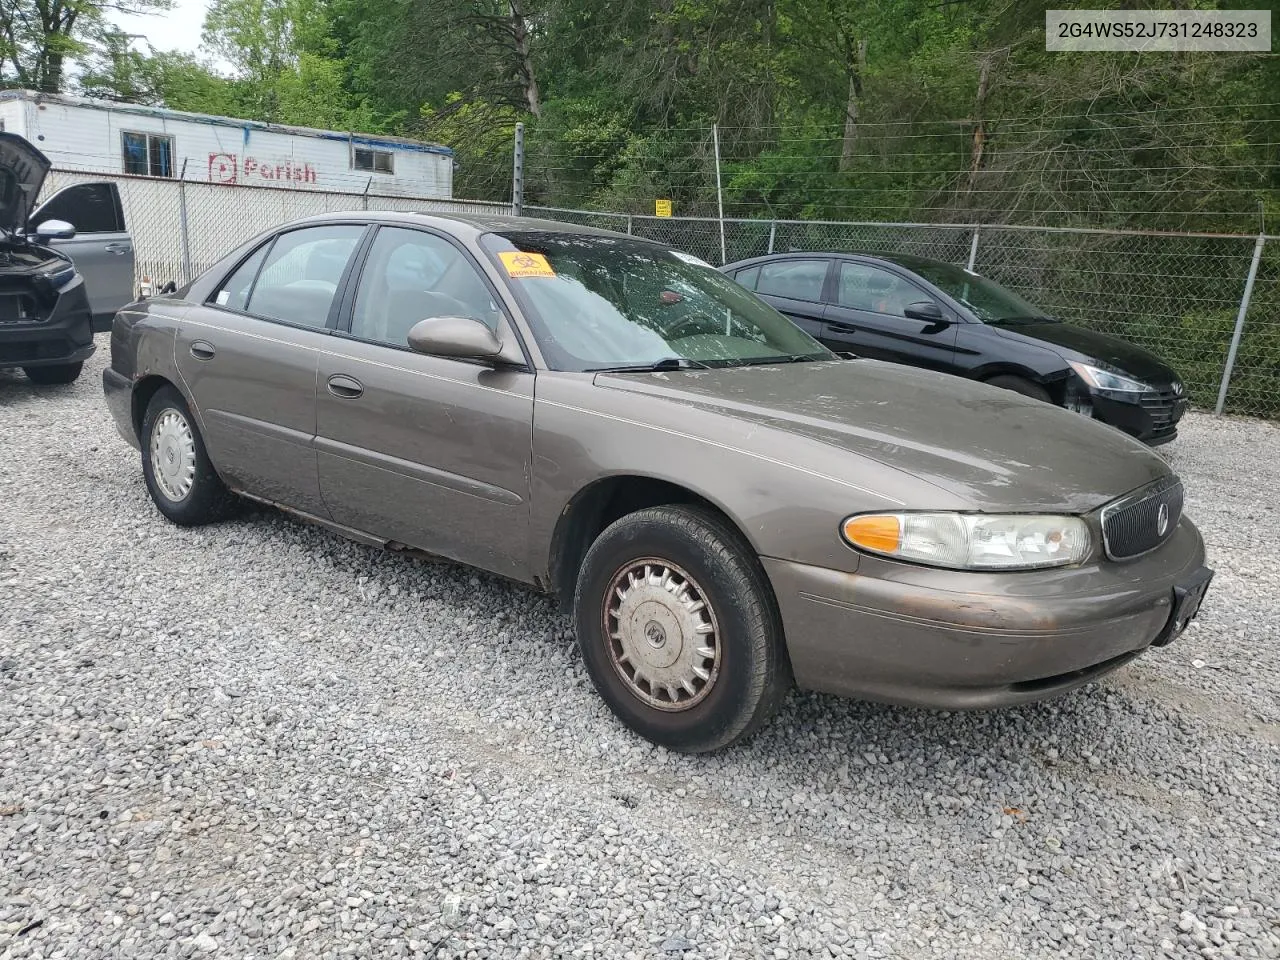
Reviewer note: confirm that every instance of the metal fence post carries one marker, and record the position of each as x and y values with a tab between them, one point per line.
628	223
773	232
1235	335
517	173
364	196
973	247
715	138
182	222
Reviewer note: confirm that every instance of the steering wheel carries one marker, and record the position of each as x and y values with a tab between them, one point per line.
695	322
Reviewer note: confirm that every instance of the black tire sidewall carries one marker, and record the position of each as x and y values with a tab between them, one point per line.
54	374
1022	386
205	500
743	615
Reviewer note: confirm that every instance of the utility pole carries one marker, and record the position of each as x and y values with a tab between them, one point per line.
517	174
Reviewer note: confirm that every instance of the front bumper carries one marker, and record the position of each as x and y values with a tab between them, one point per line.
1151	417
66	336
957	640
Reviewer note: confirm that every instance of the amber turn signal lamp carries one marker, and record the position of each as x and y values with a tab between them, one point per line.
881	534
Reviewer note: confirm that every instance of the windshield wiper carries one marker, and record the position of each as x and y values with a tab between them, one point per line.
666	363
781	358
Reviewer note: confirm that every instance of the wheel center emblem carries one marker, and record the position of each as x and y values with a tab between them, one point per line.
655	634
1162	520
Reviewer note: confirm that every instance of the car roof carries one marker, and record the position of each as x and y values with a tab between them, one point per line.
907	260
469	222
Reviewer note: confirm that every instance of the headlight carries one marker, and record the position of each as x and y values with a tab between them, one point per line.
51	281
1106	380
972	541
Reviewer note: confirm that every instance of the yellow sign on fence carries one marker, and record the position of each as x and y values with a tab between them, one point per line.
662	208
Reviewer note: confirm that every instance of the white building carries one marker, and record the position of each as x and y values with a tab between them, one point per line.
78	134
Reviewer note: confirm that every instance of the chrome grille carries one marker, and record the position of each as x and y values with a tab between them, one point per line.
1140	522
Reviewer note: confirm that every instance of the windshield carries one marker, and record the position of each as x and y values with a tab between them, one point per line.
989	302
598	302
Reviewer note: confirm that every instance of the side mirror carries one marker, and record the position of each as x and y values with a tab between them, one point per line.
55	230
926	310
463	338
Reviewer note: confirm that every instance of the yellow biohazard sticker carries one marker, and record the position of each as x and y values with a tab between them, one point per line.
521	265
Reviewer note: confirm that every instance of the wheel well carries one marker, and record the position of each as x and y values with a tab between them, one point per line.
143	391
1056	386
599	505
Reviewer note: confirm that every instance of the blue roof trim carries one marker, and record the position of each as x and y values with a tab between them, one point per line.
366	141
161	113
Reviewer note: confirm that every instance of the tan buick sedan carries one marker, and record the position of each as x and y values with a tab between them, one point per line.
727	507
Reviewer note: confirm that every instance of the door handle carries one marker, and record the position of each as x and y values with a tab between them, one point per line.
344	387
120	249
842	326
202	350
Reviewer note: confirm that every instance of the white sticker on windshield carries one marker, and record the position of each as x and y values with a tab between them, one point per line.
222	298
691	259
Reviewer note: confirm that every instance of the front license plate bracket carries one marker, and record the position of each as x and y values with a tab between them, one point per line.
1187	598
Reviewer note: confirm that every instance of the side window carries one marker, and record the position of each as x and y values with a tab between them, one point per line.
300	275
864	287
234	292
410	276
749	277
147	154
89	207
796	279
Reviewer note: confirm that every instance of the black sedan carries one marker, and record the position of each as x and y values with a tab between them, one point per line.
936	315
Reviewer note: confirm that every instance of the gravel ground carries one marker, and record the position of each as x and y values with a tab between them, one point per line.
259	740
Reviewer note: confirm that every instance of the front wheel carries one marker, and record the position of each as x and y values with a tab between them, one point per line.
179	474
54	373
1022	386
678	629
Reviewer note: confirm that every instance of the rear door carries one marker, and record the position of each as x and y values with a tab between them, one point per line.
249	357
432	452
866	317
793	287
102	248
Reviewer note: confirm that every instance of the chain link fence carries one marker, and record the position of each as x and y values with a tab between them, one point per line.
180	229
1177	294
1181	295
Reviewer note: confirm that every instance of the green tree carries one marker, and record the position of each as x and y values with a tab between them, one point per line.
38	37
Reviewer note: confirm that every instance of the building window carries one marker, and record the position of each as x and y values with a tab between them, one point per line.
147	154
374	161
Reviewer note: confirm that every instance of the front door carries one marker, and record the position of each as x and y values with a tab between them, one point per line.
249	358
867	317
430	452
102	248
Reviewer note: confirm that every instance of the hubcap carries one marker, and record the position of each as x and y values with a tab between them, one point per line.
664	641
173	455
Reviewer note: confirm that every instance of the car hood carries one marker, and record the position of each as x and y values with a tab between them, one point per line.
1078	343
995	449
22	172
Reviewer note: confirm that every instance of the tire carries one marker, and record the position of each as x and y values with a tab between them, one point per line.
57	373
748	676
189	495
1020	385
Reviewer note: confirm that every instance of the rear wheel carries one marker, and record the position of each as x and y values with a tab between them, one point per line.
55	373
678	629
179	474
1020	385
